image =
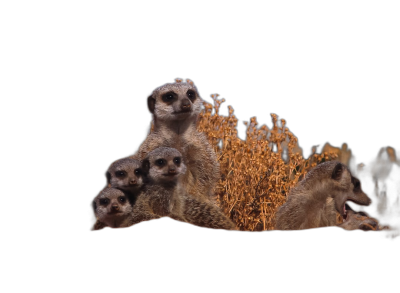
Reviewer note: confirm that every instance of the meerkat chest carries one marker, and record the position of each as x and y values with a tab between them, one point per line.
160	200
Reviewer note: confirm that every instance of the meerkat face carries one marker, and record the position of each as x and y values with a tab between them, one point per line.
164	165
346	187
111	204
125	174
175	101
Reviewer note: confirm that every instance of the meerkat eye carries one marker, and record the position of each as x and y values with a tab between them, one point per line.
191	95
120	174
160	162
138	172
168	97
177	160
122	199
104	201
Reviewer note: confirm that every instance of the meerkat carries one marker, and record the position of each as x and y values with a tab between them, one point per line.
117	208
314	201
359	220
126	174
113	208
175	108
167	196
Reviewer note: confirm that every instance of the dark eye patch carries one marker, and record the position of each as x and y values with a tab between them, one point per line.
191	94
160	162
177	161
104	201
122	199
356	183
138	172
120	174
169	97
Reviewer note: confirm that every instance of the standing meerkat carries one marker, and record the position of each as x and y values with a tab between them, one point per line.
175	108
316	199
168	197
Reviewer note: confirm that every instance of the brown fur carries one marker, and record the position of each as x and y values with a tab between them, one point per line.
314	201
175	125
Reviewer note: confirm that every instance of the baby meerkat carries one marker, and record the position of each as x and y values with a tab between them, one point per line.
126	174
167	197
314	201
113	208
164	167
175	108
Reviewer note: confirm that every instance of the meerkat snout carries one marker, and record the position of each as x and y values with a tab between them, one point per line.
186	105
132	182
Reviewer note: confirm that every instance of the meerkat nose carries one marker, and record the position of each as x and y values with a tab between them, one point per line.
171	171
132	182
115	207
185	104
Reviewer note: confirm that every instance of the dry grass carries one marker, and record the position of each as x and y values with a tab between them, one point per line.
258	172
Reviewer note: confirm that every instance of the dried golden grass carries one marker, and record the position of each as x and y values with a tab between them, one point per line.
254	179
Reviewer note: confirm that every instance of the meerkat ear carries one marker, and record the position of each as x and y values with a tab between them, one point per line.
94	206
337	172
146	166
151	103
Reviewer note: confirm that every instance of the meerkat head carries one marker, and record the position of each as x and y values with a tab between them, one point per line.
175	101
336	179
112	205
126	174
164	165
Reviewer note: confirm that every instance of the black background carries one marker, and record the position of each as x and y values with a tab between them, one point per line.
329	87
